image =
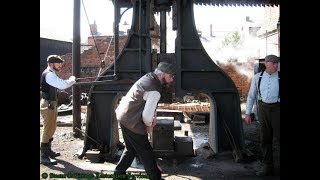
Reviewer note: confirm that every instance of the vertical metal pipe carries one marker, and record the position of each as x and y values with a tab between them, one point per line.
76	68
163	32
116	29
278	28
148	39
140	36
266	43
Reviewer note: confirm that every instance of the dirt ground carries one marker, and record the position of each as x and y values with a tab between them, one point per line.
220	166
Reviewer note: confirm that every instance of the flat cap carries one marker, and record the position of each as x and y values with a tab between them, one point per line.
54	59
166	68
272	58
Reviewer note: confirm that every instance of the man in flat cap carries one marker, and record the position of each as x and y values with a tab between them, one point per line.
49	83
136	114
265	87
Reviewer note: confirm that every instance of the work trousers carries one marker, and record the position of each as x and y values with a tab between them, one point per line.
269	117
137	144
49	116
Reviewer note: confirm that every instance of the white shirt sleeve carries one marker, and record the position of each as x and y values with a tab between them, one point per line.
151	98
55	81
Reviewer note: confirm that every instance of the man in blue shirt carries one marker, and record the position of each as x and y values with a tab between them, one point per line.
265	87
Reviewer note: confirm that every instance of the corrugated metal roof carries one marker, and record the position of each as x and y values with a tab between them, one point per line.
237	2
128	3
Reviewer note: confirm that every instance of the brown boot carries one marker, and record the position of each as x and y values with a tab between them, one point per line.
52	154
45	159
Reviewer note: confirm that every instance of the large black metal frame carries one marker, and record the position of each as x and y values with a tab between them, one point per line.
196	73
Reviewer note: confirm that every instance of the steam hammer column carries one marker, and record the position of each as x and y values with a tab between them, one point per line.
163	6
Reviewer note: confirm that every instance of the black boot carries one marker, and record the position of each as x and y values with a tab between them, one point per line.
45	159
52	154
267	170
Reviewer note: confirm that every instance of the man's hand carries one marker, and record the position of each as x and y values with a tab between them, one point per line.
149	129
154	121
248	118
72	78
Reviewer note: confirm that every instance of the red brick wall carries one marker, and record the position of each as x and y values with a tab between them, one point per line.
90	60
90	57
242	79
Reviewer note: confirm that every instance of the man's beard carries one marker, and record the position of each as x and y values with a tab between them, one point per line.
171	84
166	88
167	85
57	69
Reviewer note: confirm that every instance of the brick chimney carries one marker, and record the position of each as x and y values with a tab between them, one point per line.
94	29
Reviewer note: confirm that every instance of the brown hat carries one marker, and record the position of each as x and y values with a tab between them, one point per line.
54	59
272	58
166	68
